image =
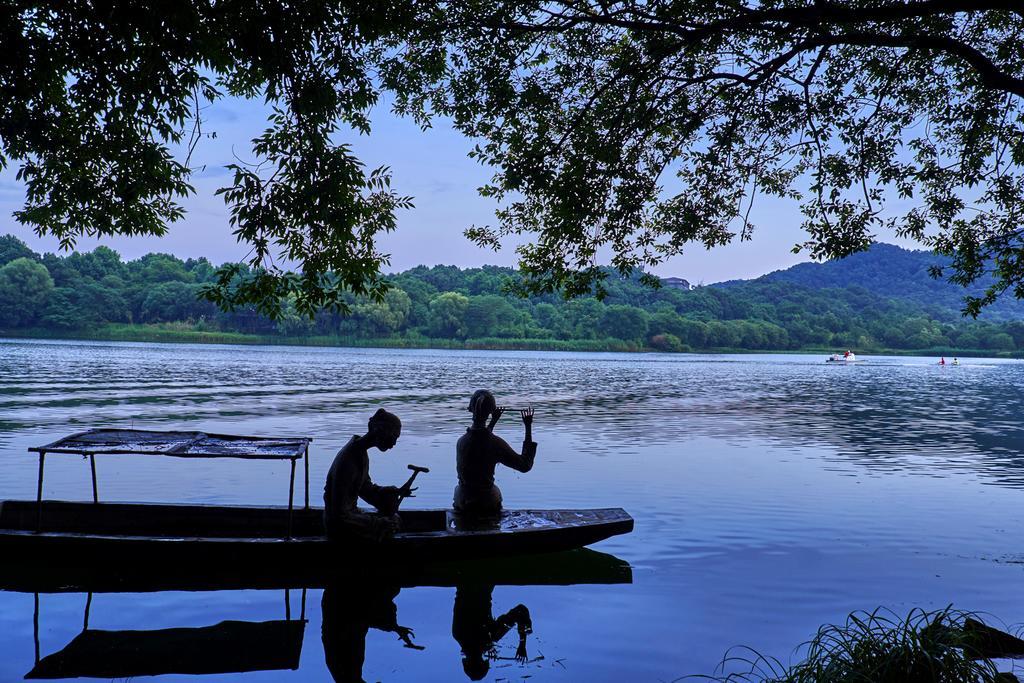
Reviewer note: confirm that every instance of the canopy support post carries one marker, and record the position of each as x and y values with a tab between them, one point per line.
39	493
287	604
306	460
92	466
88	605
302	615
35	625
291	498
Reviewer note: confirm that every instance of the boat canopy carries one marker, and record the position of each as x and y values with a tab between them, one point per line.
227	647
178	444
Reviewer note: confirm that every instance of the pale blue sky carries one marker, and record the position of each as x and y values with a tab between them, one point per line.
433	167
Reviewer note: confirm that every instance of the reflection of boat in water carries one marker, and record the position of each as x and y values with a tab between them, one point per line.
352	604
557	569
244	538
225	647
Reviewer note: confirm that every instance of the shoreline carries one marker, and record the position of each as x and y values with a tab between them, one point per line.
164	335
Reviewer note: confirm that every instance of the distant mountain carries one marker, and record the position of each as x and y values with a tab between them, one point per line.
891	272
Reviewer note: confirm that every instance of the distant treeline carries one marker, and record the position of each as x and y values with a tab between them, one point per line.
96	294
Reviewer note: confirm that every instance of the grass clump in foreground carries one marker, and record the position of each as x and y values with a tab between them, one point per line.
944	646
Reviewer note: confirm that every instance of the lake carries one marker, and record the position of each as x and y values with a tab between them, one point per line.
771	493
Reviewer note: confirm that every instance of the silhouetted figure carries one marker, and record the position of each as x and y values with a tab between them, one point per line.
348	612
478	632
478	453
349	479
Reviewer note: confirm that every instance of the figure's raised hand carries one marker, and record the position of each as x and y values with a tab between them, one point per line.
527	415
495	416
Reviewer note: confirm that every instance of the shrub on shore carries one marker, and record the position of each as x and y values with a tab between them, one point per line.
878	647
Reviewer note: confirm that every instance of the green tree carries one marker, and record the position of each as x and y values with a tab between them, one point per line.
585	317
549	318
12	248
448	314
99	263
290	323
169	301
624	322
999	341
25	286
481	318
722	335
667	342
385	317
62	311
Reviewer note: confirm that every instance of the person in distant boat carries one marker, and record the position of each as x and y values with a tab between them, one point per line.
349	479
942	361
847	354
479	451
956	361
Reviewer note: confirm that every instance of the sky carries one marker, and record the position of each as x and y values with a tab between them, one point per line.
433	167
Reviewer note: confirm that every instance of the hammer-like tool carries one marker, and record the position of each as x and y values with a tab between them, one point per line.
416	469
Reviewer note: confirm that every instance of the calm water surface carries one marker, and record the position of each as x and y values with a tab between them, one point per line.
771	493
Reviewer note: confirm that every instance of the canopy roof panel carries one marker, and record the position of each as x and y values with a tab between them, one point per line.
178	444
227	647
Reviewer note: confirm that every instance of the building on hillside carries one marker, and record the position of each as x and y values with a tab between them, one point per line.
675	283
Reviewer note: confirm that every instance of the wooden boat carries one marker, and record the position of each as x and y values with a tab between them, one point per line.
142	535
131	534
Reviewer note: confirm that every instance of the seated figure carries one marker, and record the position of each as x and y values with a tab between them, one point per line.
478	453
349	479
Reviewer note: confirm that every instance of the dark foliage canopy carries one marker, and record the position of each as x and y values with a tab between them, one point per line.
629	129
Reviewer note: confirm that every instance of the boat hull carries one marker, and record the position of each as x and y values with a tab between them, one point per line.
134	538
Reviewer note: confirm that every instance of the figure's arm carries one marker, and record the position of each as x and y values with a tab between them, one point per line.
519	617
507	456
495	416
386	619
384	498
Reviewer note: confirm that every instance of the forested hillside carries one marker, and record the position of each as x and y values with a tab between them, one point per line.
98	295
893	273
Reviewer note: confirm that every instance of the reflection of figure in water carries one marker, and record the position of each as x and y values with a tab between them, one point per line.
478	632
349	479
478	453
348	613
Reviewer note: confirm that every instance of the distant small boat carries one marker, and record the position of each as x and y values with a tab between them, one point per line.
843	359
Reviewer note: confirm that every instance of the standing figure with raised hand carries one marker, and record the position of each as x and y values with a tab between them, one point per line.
478	453
349	479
